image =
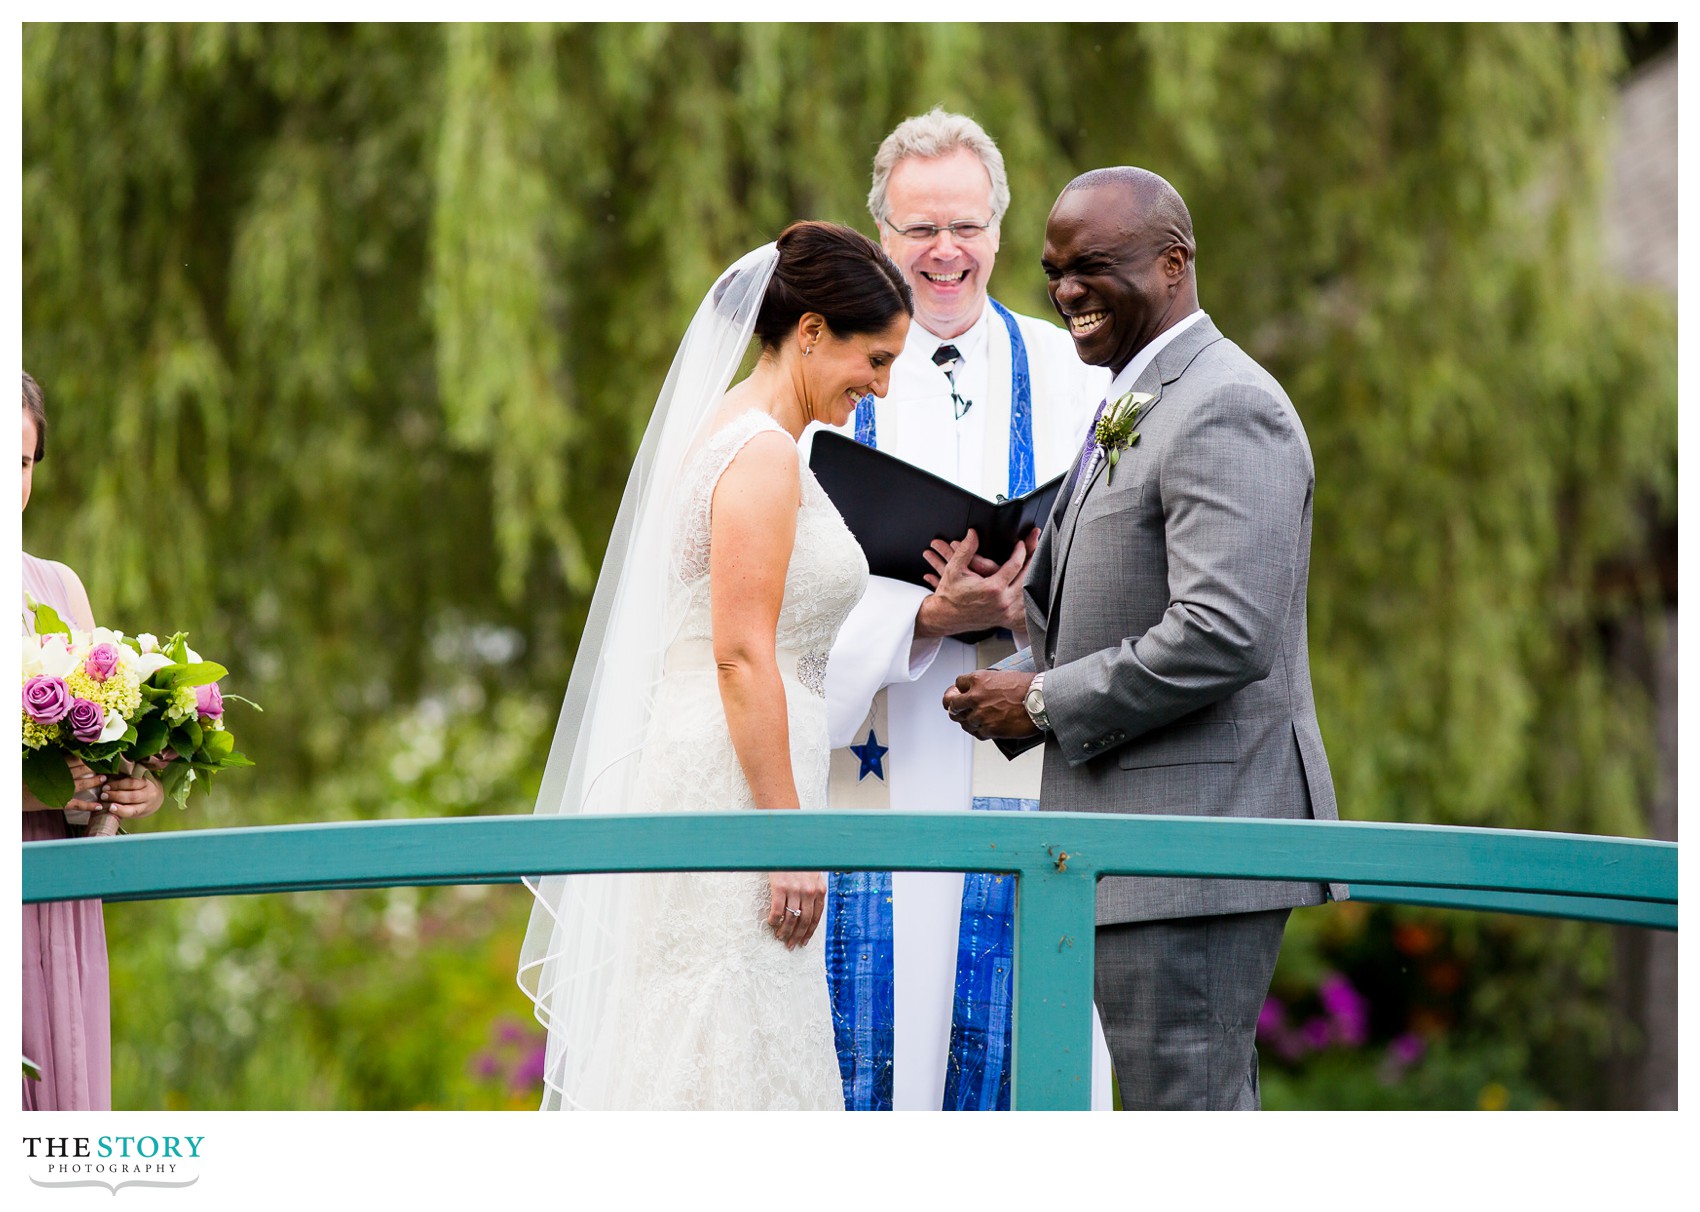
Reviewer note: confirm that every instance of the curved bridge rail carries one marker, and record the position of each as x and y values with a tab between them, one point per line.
1057	856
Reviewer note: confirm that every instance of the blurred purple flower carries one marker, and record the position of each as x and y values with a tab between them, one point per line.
1317	1033
1406	1049
510	1031
1272	1019
1339	998
486	1066
530	1071
1347	1007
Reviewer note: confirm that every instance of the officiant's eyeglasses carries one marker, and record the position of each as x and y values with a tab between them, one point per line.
962	229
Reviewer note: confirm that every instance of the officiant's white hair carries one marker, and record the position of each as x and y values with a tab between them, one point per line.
936	133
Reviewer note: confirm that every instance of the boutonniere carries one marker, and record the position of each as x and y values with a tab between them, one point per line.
1115	431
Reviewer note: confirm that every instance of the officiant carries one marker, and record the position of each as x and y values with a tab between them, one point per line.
996	402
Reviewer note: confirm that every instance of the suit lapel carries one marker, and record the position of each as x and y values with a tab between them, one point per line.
1169	365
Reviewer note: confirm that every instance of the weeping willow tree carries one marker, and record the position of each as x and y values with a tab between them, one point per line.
348	334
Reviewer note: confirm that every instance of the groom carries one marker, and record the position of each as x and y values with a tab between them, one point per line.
1166	611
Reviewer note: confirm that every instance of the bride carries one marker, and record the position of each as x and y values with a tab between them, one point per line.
699	686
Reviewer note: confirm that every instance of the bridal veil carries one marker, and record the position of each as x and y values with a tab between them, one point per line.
579	923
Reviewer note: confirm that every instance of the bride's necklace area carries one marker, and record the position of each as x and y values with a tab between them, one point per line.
769	392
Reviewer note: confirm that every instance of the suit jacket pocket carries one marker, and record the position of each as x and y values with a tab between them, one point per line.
1105	501
1186	745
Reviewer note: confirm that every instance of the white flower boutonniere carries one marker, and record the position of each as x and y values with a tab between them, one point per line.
1115	431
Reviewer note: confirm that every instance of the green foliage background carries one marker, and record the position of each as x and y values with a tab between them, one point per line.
347	334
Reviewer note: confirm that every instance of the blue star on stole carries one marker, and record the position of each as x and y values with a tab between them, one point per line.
870	755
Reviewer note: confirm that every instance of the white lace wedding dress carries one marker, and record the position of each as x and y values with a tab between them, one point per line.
713	1011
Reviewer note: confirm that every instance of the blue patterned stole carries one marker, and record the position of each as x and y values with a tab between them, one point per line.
859	956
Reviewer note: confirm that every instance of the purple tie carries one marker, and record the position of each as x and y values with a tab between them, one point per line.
1085	451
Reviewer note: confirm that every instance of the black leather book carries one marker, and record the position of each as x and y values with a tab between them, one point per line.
896	509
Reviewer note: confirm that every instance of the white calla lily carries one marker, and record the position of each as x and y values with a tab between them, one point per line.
113	728
150	663
52	658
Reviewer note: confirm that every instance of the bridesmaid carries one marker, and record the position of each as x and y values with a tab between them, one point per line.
67	1027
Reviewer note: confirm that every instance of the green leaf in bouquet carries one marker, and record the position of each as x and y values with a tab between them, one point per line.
47	621
234	760
218	745
192	734
201	673
176	782
47	776
104	758
31	1069
151	735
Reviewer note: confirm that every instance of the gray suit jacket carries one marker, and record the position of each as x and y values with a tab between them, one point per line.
1168	608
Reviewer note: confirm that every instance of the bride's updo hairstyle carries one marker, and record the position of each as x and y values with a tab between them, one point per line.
836	272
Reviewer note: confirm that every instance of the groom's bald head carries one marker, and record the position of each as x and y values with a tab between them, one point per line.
1165	214
1118	258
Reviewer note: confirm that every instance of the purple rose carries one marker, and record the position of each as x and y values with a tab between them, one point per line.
208	701
46	699
101	662
87	718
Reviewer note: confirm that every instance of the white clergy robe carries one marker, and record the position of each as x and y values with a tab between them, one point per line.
930	762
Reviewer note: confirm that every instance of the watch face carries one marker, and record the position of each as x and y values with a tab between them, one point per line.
1035	700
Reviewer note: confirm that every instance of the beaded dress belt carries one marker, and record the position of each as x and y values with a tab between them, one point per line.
697	656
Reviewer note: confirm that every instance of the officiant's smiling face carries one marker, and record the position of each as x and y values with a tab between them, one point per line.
947	272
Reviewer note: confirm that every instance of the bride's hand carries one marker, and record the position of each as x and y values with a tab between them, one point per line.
799	903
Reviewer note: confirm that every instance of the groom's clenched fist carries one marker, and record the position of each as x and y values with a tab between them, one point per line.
988	703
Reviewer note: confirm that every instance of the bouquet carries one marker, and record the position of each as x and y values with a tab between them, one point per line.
113	701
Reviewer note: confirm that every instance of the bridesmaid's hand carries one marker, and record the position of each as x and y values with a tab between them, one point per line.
85	780
137	794
799	903
159	761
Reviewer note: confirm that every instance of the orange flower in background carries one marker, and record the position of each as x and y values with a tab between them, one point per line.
1444	977
1413	938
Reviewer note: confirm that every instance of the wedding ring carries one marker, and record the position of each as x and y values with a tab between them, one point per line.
793	912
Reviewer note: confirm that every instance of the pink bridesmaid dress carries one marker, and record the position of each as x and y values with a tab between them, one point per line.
67	1019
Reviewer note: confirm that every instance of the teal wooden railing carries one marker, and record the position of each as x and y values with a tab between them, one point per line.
1057	857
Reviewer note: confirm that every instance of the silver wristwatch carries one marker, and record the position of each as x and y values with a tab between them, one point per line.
1035	703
